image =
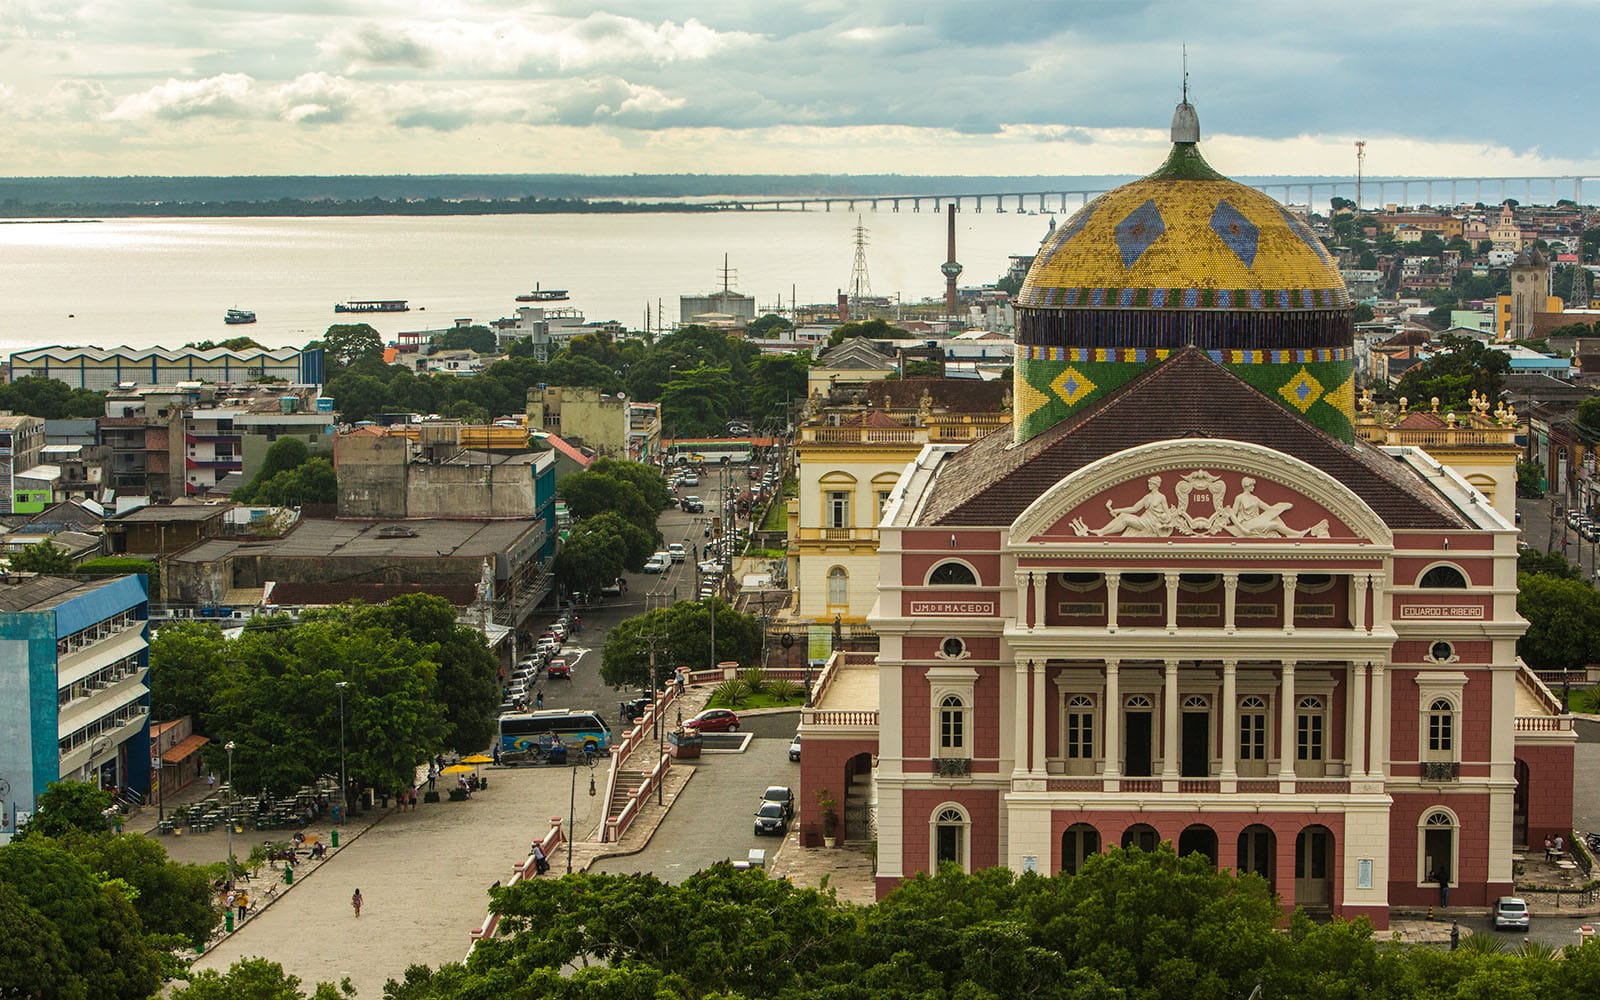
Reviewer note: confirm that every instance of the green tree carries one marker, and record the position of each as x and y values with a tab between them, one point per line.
313	482
186	660
764	327
685	628
106	950
32	957
68	806
651	483
1530	479
637	543
1587	420
590	560
876	328
171	898
777	379
1363	313
591	493
1563	621
578	370
42	557
474	337
1461	366
1547	564
700	401
359	397
1484	246
122	566
254	979
346	343
285	455
50	399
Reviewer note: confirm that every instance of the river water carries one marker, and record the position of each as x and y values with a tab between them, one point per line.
143	282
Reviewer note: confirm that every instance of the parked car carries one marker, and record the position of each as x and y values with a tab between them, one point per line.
794	748
549	645
714	720
694	505
781	795
657	563
633	711
710	567
612	589
770	818
559	668
677	552
1510	911
690	479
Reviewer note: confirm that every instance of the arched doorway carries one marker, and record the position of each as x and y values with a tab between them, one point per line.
1313	867
858	798
1078	842
1519	806
1258	853
1141	835
1198	839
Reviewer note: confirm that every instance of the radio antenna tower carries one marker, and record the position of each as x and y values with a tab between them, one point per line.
1361	155
860	283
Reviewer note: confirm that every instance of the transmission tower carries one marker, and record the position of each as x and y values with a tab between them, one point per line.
1361	155
860	283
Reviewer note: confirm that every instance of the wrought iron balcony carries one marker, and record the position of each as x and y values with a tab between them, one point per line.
1440	770
952	767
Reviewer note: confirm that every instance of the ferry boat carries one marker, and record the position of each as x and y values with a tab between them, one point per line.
238	316
543	295
372	306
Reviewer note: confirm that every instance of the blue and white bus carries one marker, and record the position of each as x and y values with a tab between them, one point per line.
574	729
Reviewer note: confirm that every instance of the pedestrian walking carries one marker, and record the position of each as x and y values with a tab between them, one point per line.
538	699
211	781
433	774
355	902
540	865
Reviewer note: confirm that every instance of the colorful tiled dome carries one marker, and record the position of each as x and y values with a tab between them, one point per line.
1184	257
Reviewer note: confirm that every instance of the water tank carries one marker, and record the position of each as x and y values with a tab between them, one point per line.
324	404
288	404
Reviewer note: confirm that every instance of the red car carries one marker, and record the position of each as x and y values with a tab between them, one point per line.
558	668
714	720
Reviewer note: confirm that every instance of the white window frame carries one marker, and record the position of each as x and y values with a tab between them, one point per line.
837	572
1261	710
950	814
1312	709
1433	686
1082	715
945	682
1424	824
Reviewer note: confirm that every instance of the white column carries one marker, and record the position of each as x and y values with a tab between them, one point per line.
1113	726
1040	582
1230	724
1286	733
1172	602
1041	719
1358	603
1113	584
1378	696
1024	720
1169	728
1289	580
1380	603
1230	601
1356	677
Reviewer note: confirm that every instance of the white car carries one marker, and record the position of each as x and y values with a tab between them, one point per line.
691	480
677	552
657	563
710	567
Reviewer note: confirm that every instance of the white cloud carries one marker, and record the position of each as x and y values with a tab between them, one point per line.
228	96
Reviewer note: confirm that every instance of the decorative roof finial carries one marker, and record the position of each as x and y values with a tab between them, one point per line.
1185	123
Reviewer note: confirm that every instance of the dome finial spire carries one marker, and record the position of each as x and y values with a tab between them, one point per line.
1185	122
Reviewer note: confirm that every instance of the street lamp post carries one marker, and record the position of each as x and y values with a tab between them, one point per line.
344	785
572	806
228	816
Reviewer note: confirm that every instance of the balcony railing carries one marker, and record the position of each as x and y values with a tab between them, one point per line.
1543	723
1440	770
839	717
1139	785
1322	786
1199	786
858	435
952	767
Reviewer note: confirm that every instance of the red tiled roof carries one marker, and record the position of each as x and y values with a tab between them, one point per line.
992	481
186	747
315	595
569	449
1421	420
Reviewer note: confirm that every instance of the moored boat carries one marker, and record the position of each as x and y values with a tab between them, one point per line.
238	316
543	295
372	306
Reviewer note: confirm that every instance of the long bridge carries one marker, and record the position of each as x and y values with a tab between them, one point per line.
1375	191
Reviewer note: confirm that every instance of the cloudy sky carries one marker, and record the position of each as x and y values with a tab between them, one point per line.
791	86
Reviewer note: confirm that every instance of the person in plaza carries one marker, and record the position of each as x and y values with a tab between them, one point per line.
540	865
496	753
243	900
538	699
211	781
355	902
433	774
465	786
1549	848
1561	846
230	899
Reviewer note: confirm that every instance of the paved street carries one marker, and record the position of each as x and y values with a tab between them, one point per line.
1542	529
713	818
423	874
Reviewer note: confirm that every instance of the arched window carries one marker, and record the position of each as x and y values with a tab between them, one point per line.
1441	727
952	834
952	725
1309	723
1142	836
1080	728
1078	843
1252	728
953	574
1443	578
838	587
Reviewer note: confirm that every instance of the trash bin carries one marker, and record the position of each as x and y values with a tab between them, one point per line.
288	875
334	836
227	921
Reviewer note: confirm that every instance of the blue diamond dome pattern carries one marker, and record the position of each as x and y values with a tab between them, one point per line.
1238	232
1142	227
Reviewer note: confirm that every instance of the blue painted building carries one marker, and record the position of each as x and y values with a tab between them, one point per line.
74	692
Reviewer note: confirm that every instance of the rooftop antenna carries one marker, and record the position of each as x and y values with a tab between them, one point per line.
1361	155
1186	73
728	274
1185	122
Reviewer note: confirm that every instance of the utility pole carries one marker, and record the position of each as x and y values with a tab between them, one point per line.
1361	155
651	642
